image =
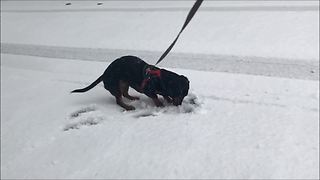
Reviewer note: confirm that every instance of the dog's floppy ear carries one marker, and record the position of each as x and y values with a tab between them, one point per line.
169	85
185	78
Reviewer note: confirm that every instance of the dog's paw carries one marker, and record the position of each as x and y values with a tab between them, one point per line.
130	108
134	98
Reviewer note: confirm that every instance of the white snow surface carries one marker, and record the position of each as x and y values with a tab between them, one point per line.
260	124
229	126
265	29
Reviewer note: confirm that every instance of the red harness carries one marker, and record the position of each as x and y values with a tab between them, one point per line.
149	73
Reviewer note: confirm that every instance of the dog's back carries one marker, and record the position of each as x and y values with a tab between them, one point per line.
128	69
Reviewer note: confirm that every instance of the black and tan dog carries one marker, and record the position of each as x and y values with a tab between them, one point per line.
144	78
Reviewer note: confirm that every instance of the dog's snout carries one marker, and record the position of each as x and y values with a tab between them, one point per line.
177	101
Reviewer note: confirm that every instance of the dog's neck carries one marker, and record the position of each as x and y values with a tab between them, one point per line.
149	72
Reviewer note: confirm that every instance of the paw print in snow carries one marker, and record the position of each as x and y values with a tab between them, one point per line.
87	116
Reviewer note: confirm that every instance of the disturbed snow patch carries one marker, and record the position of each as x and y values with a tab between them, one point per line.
86	116
190	104
91	115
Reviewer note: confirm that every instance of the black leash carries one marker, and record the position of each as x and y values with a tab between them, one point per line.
192	12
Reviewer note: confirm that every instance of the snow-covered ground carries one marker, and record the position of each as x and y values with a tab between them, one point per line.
240	126
264	29
252	109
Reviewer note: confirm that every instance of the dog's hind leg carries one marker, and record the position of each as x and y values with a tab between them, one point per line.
118	92
115	87
124	87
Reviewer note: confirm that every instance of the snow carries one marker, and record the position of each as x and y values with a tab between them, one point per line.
247	115
268	29
233	126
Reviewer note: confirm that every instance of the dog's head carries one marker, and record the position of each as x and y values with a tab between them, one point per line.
177	89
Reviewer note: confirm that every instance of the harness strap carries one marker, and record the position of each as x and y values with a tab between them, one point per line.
149	72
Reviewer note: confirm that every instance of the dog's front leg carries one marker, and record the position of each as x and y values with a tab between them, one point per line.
168	99
150	92
157	102
155	99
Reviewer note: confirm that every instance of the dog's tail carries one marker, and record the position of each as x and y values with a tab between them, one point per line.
89	87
